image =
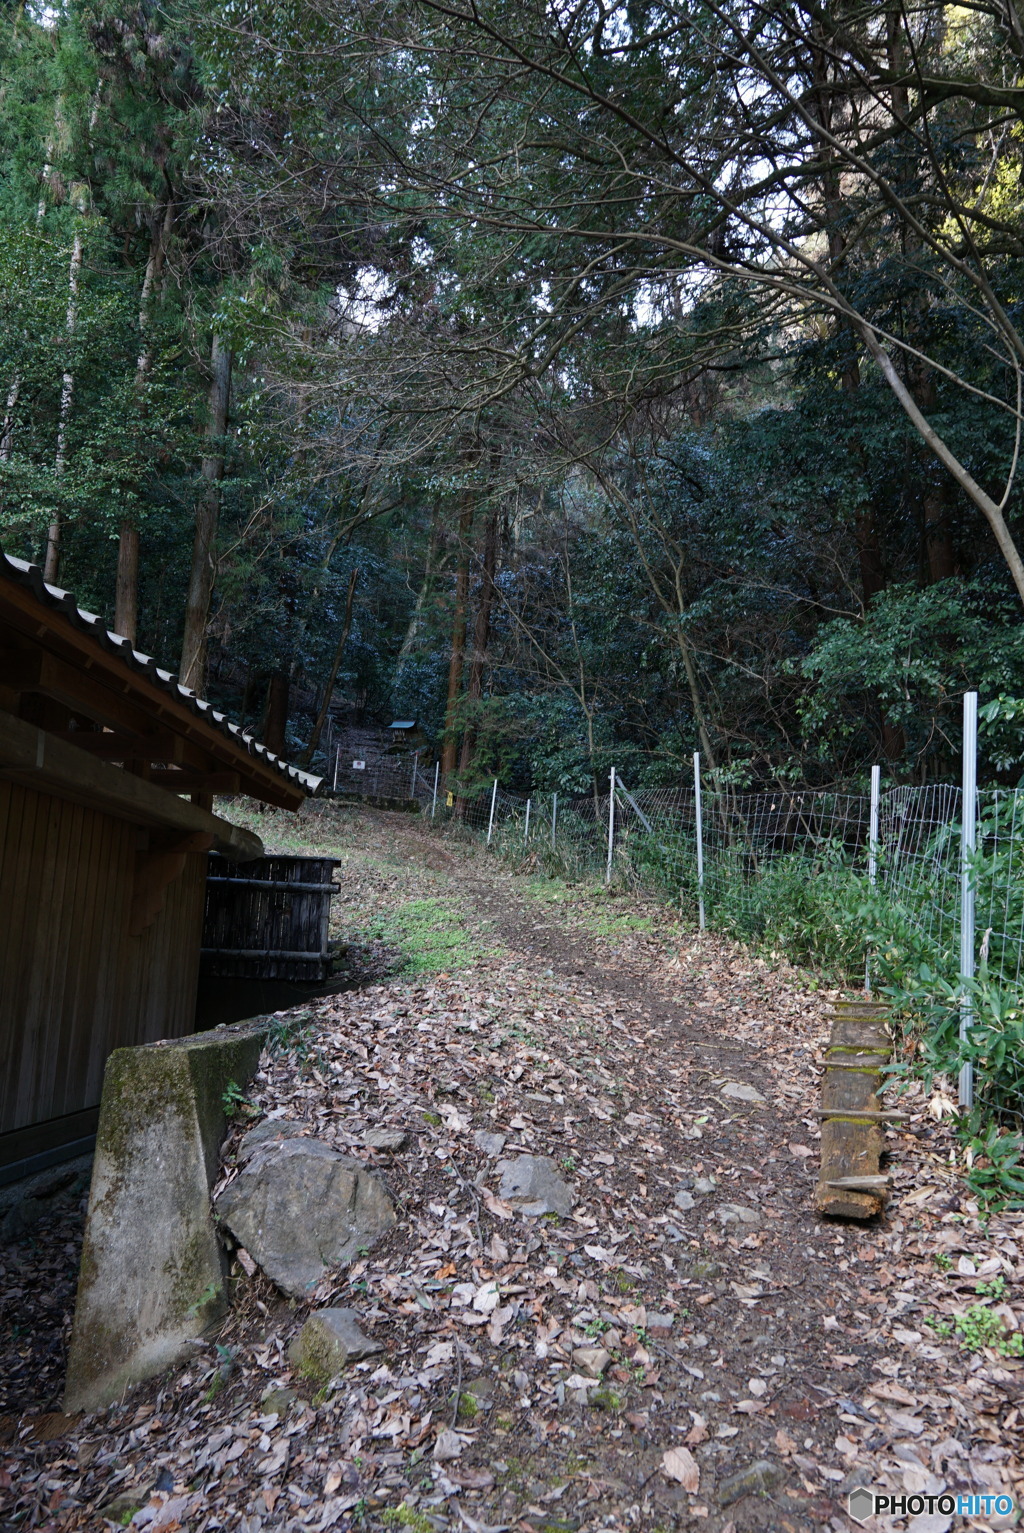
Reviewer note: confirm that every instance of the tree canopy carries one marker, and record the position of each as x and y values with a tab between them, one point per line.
594	384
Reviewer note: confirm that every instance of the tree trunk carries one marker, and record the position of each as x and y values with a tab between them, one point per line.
7	432
275	723
938	541
202	575
314	739
424	594
51	563
126	591
449	754
481	637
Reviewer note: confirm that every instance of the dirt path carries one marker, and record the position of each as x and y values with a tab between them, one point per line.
671	1079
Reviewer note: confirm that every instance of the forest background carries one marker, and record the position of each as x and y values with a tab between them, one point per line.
592	384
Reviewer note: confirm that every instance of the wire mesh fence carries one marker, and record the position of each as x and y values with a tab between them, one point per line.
799	869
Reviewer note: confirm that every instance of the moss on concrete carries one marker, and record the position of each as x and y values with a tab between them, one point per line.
152	1277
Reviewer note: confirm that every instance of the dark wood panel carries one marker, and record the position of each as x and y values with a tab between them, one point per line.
74	982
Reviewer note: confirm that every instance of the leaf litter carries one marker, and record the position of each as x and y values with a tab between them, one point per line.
633	1363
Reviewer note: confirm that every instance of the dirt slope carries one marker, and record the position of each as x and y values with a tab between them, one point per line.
672	1080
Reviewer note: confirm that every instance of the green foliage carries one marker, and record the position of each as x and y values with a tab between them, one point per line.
431	937
979	1327
235	1102
913	654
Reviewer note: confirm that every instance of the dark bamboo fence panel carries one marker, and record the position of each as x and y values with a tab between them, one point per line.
269	919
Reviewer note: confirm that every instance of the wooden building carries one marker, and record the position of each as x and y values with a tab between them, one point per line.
107	774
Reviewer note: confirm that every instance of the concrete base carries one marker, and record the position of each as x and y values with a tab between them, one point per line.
152	1278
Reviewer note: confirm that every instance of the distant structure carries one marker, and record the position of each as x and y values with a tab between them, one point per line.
107	774
407	735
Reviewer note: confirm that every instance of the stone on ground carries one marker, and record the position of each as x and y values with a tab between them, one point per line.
741	1092
736	1213
491	1144
591	1360
267	1132
385	1138
278	1401
531	1184
761	1476
329	1340
300	1207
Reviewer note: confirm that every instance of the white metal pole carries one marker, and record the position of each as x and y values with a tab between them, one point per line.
611	826
968	842
526	832
876	793
490	822
412	790
337	758
700	837
554	818
433	807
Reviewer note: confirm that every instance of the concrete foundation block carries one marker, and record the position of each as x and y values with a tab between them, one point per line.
152	1278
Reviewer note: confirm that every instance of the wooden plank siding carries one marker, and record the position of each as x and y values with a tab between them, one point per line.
74	982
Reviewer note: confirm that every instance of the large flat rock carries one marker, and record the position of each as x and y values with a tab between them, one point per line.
299	1207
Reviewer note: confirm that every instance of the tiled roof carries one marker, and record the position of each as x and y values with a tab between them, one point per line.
31	576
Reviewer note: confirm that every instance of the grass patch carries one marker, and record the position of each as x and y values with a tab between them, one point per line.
432	937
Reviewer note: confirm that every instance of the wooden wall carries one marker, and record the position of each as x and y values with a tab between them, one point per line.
74	982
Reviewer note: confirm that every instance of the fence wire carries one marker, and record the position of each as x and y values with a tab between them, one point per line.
792	867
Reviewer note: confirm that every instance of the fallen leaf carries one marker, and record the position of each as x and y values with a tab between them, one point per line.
679	1464
447	1446
486	1298
495	1206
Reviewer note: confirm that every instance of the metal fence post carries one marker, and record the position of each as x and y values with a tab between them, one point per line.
876	789
490	822
611	827
433	807
968	842
700	838
554	818
337	758
526	831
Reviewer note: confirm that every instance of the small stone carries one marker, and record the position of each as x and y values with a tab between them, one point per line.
859	1478
124	1505
386	1139
657	1322
329	1340
736	1213
591	1360
760	1476
684	1200
703	1185
740	1092
491	1144
277	1402
531	1184
270	1131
